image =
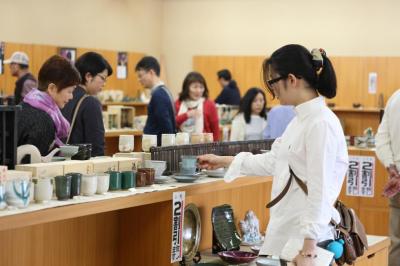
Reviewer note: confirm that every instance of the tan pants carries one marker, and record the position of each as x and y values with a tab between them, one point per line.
394	231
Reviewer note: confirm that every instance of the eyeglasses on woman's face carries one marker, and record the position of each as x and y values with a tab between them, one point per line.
273	81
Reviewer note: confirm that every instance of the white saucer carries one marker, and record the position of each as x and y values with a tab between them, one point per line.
185	179
198	174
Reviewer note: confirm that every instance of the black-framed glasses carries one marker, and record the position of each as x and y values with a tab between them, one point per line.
273	81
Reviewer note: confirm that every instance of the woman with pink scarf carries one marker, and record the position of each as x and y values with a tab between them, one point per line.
41	123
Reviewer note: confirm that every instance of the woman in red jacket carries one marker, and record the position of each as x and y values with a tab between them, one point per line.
195	112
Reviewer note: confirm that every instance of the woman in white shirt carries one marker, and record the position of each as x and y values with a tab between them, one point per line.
250	122
313	145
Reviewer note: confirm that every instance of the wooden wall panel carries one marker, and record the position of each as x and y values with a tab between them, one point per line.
352	76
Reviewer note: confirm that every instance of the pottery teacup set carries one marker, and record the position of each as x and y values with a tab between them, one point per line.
188	169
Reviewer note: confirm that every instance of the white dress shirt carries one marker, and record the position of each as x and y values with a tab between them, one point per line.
315	148
387	138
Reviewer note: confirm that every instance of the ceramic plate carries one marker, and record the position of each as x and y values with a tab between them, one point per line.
185	179
187	175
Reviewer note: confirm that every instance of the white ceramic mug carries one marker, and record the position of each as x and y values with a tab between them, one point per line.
103	183
43	190
3	203
197	138
167	140
89	185
18	192
182	138
149	141
126	143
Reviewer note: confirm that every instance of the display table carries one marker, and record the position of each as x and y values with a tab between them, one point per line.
125	230
377	253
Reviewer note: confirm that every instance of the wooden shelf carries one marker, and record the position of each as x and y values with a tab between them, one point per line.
116	133
90	208
356	110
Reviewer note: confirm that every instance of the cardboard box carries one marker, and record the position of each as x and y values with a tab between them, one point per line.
14	174
40	170
75	166
128	164
137	156
102	165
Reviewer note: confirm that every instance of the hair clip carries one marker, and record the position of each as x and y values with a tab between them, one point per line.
318	58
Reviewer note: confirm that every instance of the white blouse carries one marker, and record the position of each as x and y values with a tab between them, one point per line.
240	130
315	148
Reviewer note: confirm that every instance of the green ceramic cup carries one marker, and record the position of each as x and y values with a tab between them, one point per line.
63	187
115	180
128	179
76	180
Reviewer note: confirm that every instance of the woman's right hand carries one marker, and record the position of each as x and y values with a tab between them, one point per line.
212	162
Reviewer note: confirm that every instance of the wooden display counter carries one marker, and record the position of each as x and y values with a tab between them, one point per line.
373	211
112	138
133	230
136	229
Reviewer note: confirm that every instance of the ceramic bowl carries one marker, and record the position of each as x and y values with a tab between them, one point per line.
69	150
158	166
237	256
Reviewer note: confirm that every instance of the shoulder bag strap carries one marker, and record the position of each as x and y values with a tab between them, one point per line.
74	116
301	184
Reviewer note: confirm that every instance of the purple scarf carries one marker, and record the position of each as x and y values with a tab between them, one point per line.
43	101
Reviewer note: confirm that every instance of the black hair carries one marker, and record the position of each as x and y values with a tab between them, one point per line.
148	63
224	74
247	100
190	78
297	60
92	63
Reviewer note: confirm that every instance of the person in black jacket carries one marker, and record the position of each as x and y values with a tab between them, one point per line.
88	126
230	93
161	109
19	67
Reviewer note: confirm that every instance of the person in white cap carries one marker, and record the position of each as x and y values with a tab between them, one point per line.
19	66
